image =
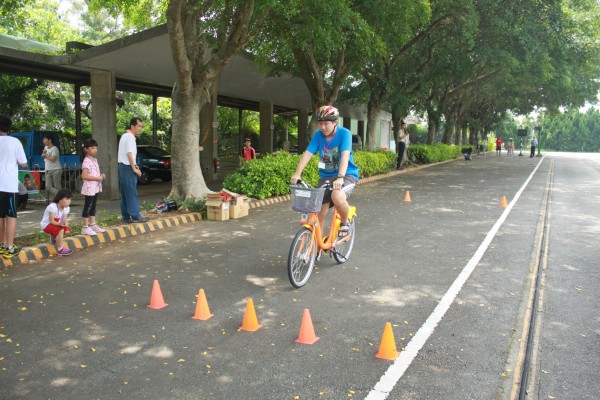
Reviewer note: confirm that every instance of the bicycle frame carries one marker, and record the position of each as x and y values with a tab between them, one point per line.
311	222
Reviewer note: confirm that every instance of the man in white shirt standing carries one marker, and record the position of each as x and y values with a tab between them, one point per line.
53	169
13	155
129	172
402	144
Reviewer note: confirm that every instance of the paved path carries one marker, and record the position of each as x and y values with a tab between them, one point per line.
79	327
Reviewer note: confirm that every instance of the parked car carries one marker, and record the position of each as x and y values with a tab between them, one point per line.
356	142
154	163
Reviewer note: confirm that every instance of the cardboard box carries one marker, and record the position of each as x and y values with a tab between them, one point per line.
238	207
217	210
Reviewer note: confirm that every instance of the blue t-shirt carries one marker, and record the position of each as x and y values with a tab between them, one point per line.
330	152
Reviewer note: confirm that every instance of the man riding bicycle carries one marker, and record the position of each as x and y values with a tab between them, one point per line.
336	164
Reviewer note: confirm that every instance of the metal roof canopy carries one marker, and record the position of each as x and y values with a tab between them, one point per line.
142	63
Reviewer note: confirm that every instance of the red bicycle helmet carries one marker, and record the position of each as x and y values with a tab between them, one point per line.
327	113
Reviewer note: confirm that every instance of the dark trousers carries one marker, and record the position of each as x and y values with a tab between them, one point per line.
401	147
532	152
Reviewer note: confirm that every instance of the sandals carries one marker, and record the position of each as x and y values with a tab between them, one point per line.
344	230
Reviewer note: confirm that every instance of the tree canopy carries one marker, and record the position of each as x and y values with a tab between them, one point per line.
459	62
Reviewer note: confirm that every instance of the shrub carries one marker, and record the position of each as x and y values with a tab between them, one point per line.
270	175
427	154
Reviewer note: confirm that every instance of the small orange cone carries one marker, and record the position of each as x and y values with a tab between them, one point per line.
407	197
503	202
202	310
307	332
250	323
387	348
156	299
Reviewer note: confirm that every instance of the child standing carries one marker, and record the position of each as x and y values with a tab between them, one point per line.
248	153
55	220
92	185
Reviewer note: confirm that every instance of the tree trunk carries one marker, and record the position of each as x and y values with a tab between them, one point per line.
397	116
448	132
432	126
372	117
188	181
457	134
198	64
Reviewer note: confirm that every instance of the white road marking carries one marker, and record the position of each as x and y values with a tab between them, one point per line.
393	374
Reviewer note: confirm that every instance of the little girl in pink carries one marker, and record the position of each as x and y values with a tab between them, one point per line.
92	185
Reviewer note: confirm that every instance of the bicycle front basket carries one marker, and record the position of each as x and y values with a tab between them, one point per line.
307	199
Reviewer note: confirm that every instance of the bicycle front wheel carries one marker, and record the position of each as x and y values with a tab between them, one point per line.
342	250
301	259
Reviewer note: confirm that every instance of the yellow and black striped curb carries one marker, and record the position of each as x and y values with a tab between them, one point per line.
113	233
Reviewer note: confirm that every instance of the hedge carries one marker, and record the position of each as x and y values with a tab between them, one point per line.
270	175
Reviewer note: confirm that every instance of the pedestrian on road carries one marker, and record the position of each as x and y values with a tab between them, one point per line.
129	172
336	162
55	220
499	146
92	185
534	143
52	167
402	144
13	155
248	153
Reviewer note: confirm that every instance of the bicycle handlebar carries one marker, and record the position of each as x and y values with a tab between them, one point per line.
302	183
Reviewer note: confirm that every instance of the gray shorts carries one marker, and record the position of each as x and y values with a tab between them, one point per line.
347	187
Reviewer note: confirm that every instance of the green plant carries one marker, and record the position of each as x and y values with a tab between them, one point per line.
426	154
270	175
194	205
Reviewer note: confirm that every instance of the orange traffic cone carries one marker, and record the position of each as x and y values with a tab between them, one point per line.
156	299
250	323
202	311
503	202
407	197
387	348
307	332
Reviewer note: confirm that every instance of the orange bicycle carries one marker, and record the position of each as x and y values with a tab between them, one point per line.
309	243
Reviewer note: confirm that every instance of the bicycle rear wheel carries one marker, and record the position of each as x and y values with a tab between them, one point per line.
342	250
301	259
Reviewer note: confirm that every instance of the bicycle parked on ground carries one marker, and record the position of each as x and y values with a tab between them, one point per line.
311	241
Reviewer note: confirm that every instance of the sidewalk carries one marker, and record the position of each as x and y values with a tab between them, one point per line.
28	221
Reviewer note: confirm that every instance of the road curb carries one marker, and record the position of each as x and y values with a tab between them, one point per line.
78	242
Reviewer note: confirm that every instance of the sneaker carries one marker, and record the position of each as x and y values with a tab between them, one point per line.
86	230
65	251
3	248
52	238
142	219
97	228
10	252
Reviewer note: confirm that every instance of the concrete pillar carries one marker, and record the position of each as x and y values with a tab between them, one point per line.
303	135
209	140
103	127
266	127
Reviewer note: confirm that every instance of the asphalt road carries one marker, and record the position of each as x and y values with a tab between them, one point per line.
79	328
